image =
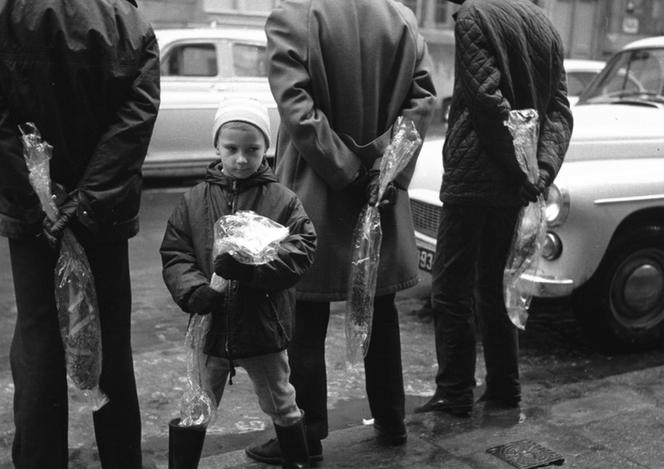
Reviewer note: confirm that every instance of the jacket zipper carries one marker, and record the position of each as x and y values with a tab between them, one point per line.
232	284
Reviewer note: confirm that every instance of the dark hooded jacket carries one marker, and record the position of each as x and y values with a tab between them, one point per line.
86	72
508	56
256	317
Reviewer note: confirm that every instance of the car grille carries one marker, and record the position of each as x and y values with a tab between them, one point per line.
425	217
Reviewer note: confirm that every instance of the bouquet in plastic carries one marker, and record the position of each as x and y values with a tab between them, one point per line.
251	239
75	294
367	238
530	230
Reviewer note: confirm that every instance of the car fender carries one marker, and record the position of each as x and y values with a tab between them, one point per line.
602	195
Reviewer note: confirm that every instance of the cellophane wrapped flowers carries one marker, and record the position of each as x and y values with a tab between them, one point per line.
251	239
530	229
367	238
75	294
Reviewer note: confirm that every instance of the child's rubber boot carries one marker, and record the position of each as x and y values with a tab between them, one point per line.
185	445
293	443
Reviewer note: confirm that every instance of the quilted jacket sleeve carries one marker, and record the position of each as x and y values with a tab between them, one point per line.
287	32
555	129
179	266
480	76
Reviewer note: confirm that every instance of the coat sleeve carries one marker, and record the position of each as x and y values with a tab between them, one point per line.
119	155
480	76
295	254
180	269
14	182
555	129
324	150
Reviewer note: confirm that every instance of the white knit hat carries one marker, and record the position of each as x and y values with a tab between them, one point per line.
242	109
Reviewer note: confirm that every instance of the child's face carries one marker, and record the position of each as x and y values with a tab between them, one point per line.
241	147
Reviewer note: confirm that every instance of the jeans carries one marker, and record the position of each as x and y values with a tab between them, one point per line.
382	365
269	376
38	362
472	248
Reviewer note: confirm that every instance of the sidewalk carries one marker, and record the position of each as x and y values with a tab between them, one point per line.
611	423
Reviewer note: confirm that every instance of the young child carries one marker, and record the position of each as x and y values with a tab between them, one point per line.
251	323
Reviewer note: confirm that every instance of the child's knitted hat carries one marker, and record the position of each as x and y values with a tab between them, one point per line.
242	109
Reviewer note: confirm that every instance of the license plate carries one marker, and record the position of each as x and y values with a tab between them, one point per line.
425	259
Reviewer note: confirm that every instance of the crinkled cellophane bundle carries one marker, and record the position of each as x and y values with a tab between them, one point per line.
367	238
530	229
251	239
75	294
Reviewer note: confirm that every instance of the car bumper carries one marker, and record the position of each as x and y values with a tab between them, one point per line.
546	286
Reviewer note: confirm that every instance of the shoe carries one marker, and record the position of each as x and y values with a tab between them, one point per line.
441	404
493	401
269	452
391	437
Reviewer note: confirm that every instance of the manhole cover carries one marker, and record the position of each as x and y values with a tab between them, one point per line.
526	454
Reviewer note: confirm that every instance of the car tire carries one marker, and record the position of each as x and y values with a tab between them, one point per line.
622	306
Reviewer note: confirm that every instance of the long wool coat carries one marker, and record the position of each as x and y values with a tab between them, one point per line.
341	73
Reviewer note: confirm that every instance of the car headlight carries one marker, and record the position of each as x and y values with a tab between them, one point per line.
557	206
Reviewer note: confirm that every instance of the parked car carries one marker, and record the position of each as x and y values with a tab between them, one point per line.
199	67
605	210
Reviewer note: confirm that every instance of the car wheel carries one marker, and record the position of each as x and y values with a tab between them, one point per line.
622	306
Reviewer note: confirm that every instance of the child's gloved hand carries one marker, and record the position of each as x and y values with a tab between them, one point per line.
228	267
203	300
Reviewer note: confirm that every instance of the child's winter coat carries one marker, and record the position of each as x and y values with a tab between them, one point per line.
256	317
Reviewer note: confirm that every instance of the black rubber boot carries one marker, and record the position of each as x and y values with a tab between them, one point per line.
184	445
293	443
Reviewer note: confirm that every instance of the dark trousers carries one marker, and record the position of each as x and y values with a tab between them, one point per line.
383	372
471	252
38	365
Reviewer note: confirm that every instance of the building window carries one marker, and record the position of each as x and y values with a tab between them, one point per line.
441	15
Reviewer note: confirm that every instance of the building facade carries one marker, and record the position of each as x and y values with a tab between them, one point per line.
591	29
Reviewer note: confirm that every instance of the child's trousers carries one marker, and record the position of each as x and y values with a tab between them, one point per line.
269	375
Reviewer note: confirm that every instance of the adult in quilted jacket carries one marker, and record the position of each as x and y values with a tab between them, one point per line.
508	56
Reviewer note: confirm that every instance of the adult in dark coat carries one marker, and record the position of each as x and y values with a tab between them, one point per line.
341	74
87	74
508	56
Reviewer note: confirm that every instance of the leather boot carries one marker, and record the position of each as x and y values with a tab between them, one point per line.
293	443
185	445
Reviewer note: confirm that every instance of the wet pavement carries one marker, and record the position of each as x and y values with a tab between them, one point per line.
596	409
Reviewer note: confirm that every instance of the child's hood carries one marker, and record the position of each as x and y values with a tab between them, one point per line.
263	175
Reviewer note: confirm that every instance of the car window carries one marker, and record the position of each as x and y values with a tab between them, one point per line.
191	60
577	82
634	74
249	60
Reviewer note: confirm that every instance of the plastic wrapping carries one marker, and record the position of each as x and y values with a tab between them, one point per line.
530	230
251	239
75	295
248	237
367	238
198	405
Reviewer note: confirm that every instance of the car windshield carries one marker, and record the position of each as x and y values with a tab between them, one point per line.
631	77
